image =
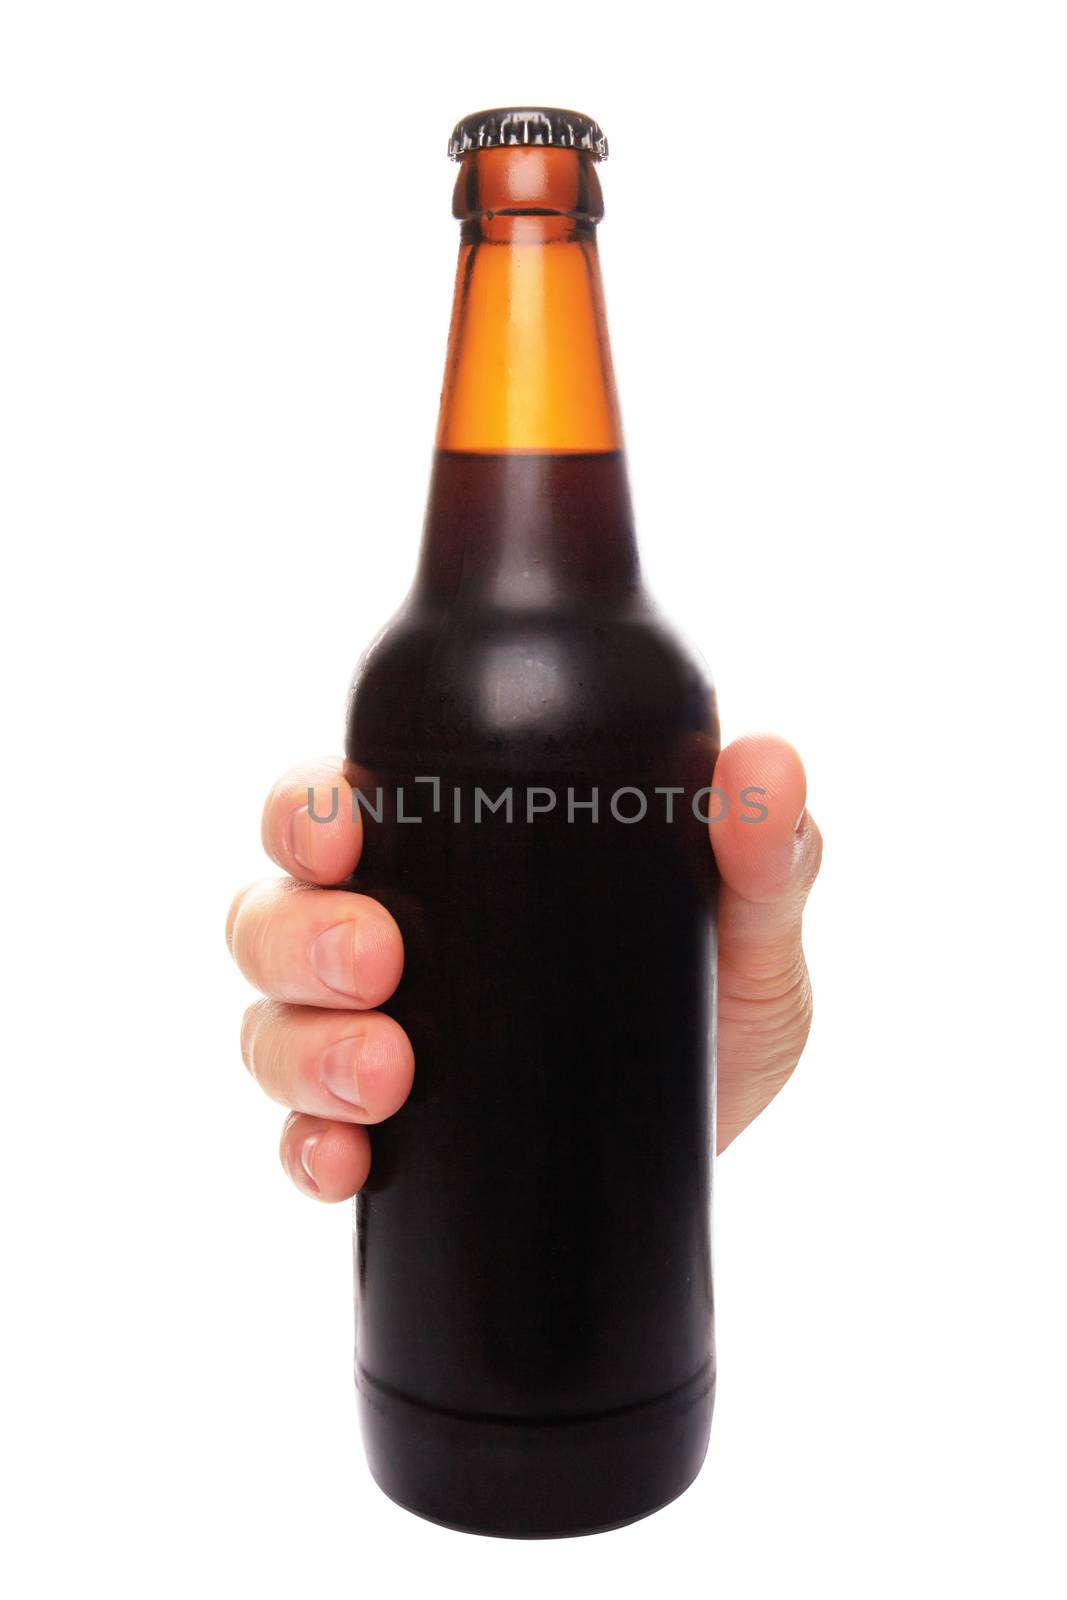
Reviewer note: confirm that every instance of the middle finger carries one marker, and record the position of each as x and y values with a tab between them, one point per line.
315	947
355	1067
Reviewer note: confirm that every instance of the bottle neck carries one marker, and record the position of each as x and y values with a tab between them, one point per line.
529	365
528	387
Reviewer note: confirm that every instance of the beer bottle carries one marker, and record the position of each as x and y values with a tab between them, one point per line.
529	742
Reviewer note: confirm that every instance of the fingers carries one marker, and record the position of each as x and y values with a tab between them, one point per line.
329	1160
339	1064
768	868
315	947
317	840
350	1066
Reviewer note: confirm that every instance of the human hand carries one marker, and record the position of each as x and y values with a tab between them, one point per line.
326	958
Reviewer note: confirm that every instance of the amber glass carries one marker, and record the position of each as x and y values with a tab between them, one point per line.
529	365
534	1349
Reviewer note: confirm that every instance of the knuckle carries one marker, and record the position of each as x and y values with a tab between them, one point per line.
765	975
248	914
250	1024
267	819
257	930
769	1030
236	907
274	1070
285	1143
256	1033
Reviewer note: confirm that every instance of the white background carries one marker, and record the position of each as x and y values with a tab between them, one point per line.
835	261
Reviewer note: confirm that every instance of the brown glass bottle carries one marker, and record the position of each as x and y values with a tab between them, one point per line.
534	1344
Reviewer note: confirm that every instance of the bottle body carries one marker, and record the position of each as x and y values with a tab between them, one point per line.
534	1302
534	1320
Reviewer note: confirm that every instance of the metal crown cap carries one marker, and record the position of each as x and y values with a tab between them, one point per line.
544	125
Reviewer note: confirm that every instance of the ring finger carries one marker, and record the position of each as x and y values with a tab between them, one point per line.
349	1065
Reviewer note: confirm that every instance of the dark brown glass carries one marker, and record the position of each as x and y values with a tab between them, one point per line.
535	1348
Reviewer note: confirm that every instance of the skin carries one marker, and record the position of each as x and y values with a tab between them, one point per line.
326	959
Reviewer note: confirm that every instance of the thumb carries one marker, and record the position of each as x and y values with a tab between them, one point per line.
768	850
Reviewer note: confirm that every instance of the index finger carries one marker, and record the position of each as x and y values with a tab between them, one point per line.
310	827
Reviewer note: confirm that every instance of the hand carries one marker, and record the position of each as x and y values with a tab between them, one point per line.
326	958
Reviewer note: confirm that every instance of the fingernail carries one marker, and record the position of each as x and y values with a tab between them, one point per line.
298	837
307	1156
799	829
339	1072
333	959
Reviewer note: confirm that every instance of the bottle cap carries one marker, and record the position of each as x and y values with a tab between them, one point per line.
544	125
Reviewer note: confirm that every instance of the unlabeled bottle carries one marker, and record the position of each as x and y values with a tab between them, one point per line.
534	1344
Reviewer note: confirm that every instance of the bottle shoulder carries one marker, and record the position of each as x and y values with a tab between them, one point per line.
562	684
